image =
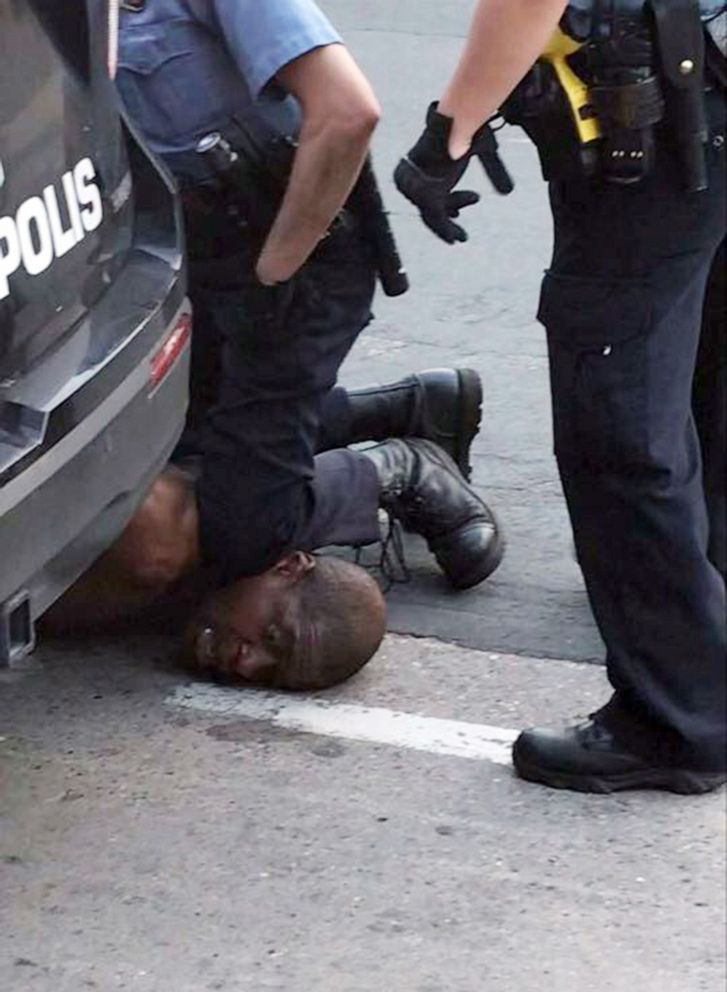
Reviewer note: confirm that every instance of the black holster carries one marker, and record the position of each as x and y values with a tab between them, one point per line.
539	106
681	44
641	69
626	96
250	166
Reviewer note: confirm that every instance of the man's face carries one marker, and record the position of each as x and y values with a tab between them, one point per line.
249	627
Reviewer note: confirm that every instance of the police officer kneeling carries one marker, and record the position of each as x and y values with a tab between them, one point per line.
265	120
625	101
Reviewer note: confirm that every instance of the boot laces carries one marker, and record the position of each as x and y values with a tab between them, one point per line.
391	564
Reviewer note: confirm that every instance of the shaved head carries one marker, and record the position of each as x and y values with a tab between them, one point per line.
342	624
306	624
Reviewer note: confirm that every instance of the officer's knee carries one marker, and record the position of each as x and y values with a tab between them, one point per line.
159	546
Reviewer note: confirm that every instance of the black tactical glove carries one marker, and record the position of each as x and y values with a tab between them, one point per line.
427	176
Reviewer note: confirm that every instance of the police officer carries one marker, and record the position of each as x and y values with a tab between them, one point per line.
623	308
281	291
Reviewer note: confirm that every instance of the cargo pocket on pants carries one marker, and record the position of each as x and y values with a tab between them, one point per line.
597	332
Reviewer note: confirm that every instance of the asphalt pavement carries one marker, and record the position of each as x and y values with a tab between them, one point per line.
158	834
473	305
163	835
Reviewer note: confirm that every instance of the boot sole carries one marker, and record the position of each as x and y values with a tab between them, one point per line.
678	780
469	418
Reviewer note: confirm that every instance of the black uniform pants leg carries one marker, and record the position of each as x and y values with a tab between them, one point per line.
336	423
710	409
622	306
262	493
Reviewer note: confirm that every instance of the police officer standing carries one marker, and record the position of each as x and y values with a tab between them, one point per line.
639	210
265	119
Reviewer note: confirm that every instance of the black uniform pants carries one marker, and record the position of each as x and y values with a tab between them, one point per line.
637	366
264	362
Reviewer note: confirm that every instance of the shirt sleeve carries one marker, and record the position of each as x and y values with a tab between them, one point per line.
264	35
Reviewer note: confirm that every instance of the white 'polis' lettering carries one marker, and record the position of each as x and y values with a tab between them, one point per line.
40	232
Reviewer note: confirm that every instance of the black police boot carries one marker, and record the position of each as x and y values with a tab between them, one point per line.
588	758
422	488
442	405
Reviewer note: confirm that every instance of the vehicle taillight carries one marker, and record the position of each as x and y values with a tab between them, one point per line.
113	50
174	345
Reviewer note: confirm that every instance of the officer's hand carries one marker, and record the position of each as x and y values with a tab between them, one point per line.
268	304
427	176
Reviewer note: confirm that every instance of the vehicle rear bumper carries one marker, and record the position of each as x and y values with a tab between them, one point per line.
57	517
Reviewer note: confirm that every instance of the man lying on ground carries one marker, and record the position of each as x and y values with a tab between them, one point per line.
308	621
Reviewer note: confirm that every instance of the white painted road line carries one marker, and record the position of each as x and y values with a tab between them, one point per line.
356	723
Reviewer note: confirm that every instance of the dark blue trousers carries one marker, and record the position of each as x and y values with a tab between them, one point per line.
637	367
264	364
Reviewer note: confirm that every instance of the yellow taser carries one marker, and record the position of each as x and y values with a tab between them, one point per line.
556	53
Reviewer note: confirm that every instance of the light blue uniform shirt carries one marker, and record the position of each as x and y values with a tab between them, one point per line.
187	66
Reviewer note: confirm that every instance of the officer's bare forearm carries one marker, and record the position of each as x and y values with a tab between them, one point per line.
505	39
340	112
326	167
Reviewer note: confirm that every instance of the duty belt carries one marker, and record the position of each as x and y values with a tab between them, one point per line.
249	166
591	104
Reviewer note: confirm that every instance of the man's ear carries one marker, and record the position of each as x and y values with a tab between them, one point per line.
295	565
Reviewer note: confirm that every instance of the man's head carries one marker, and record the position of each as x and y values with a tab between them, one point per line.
307	623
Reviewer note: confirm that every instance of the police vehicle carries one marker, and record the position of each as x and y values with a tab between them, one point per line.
94	323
